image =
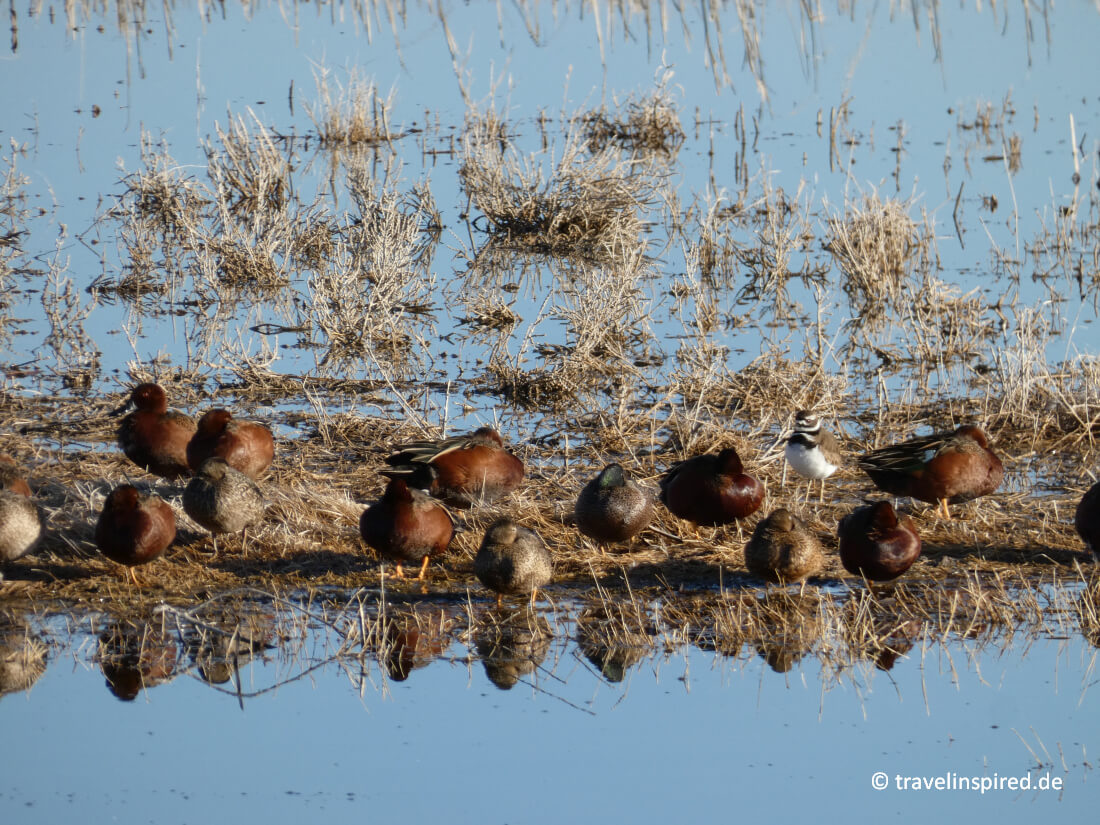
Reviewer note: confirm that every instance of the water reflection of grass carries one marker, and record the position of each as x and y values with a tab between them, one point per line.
248	643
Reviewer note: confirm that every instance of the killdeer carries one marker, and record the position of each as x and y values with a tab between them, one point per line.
812	451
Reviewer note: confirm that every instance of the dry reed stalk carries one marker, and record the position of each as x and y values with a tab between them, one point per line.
367	305
14	213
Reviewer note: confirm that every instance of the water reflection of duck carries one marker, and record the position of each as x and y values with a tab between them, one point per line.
406	526
513	560
135	656
463	470
1087	519
225	641
874	630
787	627
876	544
711	489
22	658
134	528
946	468
894	643
410	641
511	645
246	446
614	644
611	508
153	437
783	549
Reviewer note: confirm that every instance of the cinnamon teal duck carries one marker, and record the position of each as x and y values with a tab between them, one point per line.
134	528
711	489
1087	519
942	469
406	526
462	471
245	445
154	437
876	544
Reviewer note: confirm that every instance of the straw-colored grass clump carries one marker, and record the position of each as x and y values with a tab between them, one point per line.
350	115
877	246
577	205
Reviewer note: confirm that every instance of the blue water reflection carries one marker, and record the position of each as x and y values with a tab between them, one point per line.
687	734
908	91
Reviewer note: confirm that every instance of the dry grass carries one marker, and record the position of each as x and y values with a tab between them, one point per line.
13	217
350	115
587	207
604	343
878	246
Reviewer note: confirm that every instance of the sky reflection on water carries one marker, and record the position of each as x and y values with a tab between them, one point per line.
883	64
688	734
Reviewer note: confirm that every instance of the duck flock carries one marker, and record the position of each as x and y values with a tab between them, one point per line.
411	524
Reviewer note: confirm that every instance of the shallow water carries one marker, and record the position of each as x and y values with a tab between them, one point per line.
685	733
914	84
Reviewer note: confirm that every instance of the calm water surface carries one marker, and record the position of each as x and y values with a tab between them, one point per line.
913	84
685	734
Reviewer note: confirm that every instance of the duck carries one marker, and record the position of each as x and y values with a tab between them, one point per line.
941	469
20	525
20	521
462	471
812	451
876	544
711	489
11	477
610	508
406	526
1087	519
783	549
134	528
154	437
245	445
222	499
513	560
